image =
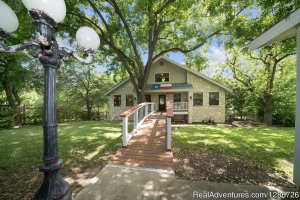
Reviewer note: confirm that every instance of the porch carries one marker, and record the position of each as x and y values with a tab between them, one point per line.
178	100
180	108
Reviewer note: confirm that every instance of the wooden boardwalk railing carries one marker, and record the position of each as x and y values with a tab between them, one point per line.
169	125
148	146
133	119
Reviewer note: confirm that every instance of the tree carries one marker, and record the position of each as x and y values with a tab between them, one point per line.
255	78
266	14
271	60
84	86
133	29
12	73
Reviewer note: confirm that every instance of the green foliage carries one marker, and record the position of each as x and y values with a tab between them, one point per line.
6	117
134	33
81	90
250	77
285	94
131	29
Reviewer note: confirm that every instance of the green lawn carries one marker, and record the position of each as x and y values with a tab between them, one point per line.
269	148
82	145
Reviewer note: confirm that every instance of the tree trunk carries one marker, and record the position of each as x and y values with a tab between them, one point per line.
11	101
18	116
16	95
140	96
89	110
9	94
268	109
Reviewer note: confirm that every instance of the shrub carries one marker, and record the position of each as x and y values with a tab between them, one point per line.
6	117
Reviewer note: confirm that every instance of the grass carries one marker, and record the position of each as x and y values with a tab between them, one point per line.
269	148
82	146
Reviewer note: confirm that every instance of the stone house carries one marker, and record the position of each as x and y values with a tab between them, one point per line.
195	97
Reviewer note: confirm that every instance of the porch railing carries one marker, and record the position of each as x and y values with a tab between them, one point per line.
180	106
134	117
170	114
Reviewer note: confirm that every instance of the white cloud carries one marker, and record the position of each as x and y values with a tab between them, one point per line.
215	56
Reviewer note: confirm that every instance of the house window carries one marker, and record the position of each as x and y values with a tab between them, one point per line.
129	100
117	100
177	97
148	97
162	77
213	98
198	99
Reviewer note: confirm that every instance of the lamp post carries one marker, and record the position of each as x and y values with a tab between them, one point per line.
45	16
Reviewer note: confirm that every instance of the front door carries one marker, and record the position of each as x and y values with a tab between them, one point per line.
162	102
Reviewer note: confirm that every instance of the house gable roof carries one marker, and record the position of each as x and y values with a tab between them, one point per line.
194	72
117	86
180	66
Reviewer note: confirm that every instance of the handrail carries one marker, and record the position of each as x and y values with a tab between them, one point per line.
134	117
170	114
179	106
131	110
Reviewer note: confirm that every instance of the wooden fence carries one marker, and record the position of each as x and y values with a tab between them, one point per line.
34	115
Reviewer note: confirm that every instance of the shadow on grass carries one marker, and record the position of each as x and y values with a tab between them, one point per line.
85	148
268	148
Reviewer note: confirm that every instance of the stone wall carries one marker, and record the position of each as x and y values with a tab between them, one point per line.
123	90
200	113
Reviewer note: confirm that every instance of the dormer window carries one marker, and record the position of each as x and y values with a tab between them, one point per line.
162	77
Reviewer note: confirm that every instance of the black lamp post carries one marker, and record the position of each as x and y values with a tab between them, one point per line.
45	15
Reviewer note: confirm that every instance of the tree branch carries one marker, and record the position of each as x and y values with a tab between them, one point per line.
161	9
93	5
126	26
285	56
176	49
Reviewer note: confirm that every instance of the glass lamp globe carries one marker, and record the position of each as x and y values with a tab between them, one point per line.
9	21
88	38
56	9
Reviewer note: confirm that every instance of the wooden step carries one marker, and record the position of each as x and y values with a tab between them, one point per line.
137	158
133	153
146	152
147	165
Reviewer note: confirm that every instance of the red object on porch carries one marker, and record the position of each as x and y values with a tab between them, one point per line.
165	86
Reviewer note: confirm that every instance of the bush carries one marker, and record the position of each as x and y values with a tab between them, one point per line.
284	119
6	117
34	115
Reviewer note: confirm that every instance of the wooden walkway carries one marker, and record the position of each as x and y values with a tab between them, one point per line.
147	147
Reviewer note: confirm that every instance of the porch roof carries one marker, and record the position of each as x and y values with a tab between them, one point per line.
168	87
284	29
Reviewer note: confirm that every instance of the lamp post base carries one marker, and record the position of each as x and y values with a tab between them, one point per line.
54	187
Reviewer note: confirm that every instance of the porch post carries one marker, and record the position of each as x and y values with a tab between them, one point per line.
125	130
146	109
135	120
297	120
190	108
